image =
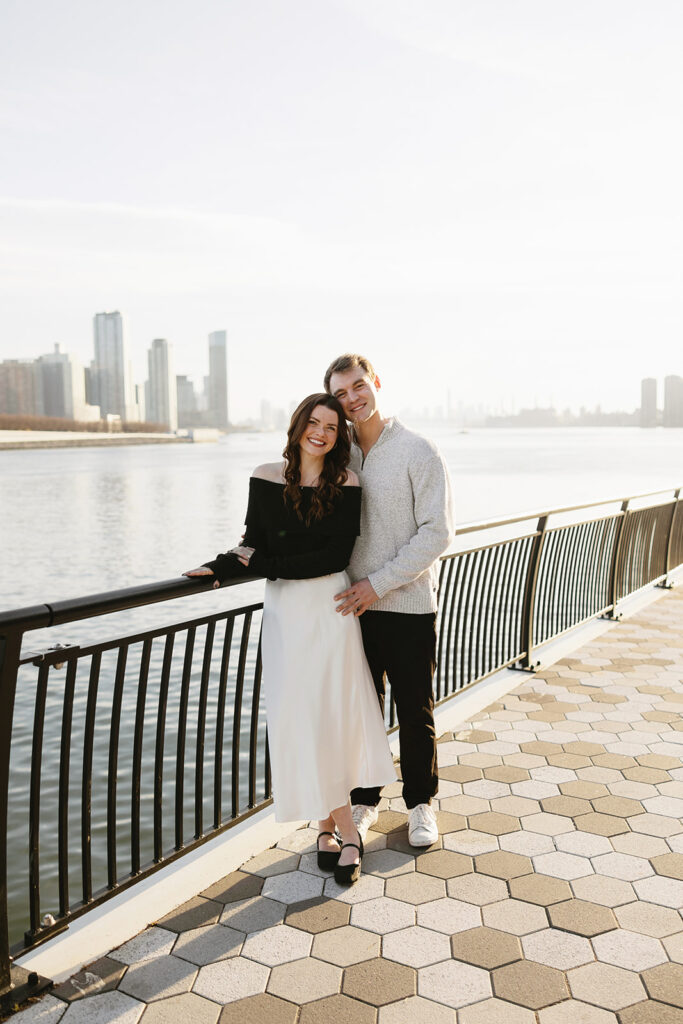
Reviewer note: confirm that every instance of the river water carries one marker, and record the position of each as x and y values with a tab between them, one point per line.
83	521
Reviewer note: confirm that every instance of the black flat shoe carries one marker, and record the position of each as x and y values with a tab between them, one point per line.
327	859
347	874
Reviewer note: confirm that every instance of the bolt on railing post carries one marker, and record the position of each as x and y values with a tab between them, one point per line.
10	648
676	504
527	630
616	552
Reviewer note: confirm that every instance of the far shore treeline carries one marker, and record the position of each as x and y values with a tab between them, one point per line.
9	422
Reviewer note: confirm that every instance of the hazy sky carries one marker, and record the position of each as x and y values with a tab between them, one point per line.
480	194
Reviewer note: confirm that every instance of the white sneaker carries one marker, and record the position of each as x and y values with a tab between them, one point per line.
422	827
364	817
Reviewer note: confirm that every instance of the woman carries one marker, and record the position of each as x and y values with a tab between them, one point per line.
325	729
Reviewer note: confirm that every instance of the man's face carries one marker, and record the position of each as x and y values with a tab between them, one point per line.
356	393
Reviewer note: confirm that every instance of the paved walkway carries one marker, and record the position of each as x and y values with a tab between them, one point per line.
552	897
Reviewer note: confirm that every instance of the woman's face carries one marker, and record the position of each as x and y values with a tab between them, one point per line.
320	434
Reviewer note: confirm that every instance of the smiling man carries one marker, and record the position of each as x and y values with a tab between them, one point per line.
407	522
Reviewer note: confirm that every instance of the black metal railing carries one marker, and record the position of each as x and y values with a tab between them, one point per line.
119	756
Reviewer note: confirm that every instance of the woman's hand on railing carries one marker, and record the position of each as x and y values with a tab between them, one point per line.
243	553
202	571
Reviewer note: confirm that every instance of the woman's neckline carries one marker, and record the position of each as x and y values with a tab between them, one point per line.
305	487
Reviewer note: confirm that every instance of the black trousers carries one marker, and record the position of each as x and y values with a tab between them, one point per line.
403	647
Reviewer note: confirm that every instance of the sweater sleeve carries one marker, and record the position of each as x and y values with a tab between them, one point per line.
433	505
333	557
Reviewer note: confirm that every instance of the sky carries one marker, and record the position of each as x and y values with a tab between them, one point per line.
483	196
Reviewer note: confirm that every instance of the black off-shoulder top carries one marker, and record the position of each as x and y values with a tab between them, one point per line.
284	546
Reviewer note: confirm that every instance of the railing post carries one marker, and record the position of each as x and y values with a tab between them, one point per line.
676	504
16	985
616	552
527	631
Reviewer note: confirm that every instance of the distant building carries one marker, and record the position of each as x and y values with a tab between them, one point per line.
218	380
189	413
162	401
63	379
111	383
673	401
648	402
21	388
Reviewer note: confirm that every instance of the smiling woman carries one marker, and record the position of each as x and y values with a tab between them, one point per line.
325	728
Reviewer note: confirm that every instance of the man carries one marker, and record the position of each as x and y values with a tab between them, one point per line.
407	522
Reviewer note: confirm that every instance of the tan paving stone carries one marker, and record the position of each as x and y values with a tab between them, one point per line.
196	912
501	864
477	889
571	1011
305	980
207	944
252	914
238	885
669	864
665	983
601	824
188	1007
583	748
495	1011
572	761
494	823
317	915
256	1010
415	888
486	947
416	1010
649	919
464	805
506	773
541	889
338	1008
584	791
658	761
514	916
569	806
650	775
673	944
516	806
604	985
388	863
443	864
618	806
583	918
460	773
390	821
454	984
379	982
618	761
345	946
272	862
529	984
448	822
651	1012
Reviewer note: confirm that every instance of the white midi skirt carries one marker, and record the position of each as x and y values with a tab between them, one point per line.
325	728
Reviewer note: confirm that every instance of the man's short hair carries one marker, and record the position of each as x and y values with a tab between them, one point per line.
347	362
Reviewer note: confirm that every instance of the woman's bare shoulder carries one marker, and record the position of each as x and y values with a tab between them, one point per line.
351	479
270	471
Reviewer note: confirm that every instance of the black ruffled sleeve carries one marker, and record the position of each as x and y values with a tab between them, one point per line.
228	567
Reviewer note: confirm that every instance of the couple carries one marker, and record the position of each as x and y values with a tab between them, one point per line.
325	640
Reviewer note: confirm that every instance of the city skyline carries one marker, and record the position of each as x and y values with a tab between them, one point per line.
486	195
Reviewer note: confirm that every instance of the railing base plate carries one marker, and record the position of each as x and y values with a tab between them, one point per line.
25	985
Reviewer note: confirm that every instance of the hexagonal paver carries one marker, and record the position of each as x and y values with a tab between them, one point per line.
502	864
417	888
568	806
379	982
648	919
604	985
416	947
650	1012
388	863
655	825
448	916
622	865
495	823
318	915
629	950
337	1008
669	864
104	1008
477	889
514	916
563	865
528	844
601	824
189	1008
618	806
151	943
548	824
608	892
205	945
416	1010
454	984
346	946
495	1011
303	981
556	948
668	892
102	975
159	978
486	947
253	914
541	889
277	945
238	885
272	862
383	915
231	979
368	887
665	983
571	1011
530	984
443	864
583	918
292	887
256	1009
470	842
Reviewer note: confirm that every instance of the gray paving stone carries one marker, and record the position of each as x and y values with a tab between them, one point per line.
188	1009
277	945
151	943
253	914
231	979
49	1010
205	945
159	978
292	887
106	1008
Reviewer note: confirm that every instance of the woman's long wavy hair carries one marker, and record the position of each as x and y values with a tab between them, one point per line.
334	472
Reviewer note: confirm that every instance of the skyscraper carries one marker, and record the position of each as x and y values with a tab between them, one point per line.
218	380
112	377
673	401
648	402
21	388
64	386
162	401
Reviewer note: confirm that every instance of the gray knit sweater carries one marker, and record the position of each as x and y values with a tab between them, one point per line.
407	520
